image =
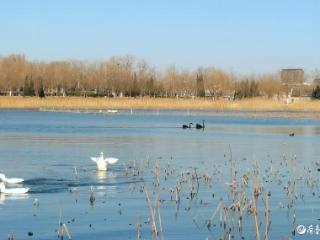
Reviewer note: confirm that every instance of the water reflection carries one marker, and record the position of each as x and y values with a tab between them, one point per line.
4	197
104	191
102	176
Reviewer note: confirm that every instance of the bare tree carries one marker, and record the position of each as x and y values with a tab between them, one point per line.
130	77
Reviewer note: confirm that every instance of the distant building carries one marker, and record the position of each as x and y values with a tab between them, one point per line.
292	77
316	82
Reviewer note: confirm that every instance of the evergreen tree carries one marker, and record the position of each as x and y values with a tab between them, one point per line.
41	90
25	91
254	91
32	92
316	93
28	88
200	86
135	87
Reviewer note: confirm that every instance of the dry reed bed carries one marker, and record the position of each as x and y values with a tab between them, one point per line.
257	104
249	195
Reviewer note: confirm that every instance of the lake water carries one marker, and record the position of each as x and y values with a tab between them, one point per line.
52	150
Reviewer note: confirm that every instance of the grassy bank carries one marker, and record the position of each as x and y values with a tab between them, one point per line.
153	103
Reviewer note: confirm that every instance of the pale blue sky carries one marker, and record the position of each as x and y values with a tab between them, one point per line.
242	36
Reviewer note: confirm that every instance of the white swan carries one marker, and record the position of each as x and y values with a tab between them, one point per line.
10	180
112	111
5	190
102	163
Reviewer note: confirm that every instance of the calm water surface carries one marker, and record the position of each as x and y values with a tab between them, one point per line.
44	148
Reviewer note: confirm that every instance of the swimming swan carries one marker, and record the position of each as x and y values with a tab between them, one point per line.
102	163
184	126
10	180
5	190
199	126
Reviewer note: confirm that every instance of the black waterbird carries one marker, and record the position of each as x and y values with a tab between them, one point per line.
199	126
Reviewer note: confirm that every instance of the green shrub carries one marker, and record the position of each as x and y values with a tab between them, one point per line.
28	88
316	93
41	93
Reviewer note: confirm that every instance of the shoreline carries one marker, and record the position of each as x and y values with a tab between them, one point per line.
193	113
255	107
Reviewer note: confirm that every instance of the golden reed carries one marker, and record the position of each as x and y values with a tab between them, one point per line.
7	102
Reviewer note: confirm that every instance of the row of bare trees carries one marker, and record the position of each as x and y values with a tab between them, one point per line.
127	77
